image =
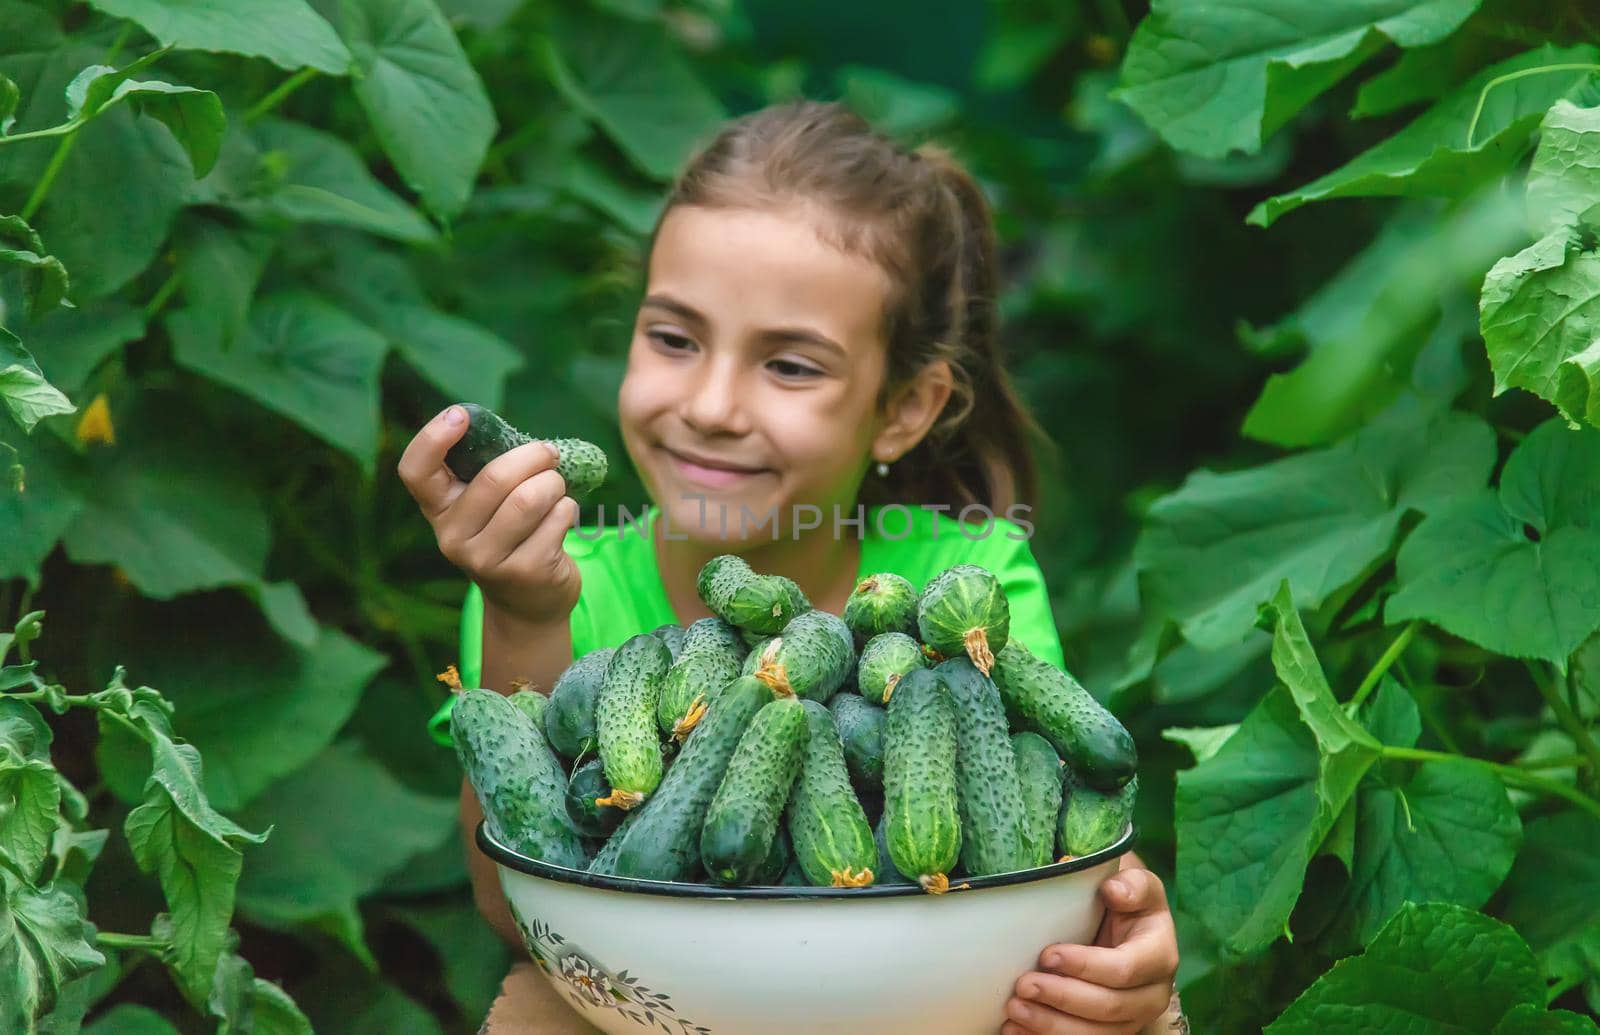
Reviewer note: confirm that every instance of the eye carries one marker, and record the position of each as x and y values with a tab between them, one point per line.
668	340
787	368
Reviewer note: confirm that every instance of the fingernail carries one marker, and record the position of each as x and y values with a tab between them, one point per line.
454	416
1053	960
1029	991
1021	1011
1119	887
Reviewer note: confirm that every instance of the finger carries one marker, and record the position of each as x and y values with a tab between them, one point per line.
1078	998
481	500
547	543
422	469
525	508
1037	1019
1135	891
1148	954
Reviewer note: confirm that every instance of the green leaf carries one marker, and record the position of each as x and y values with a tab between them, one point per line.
38	516
1211	551
274	1012
1553	894
286	32
248	1005
301	357
130	1019
1250	817
1215	78
29	799
45	942
340	826
10	96
1366	325
1540	318
895	105
1424	74
1528	1019
422	95
1518	570
1434	967
194	116
29	398
1202	741
70	343
321	179
220	266
46	277
195	853
1432	156
474	959
1564	179
631	80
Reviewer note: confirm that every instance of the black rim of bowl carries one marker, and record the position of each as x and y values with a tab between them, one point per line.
677	889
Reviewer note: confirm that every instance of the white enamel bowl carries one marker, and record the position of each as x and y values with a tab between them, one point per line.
638	956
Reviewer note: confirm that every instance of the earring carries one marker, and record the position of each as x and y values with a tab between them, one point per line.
883	469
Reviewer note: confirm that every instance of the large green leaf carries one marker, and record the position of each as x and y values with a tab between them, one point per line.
473	957
300	356
195	853
1432	156
46	278
1437	968
194	116
1553	895
1220	77
131	1019
1518	570
631	80
423	97
1425	73
1564	179
1530	1019
1210	552
286	32
37	516
1540	317
1251	815
340	826
45	942
70	343
29	398
30	795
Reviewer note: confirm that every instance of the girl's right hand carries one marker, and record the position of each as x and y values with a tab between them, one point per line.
506	527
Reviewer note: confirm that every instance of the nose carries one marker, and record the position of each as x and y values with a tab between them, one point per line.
712	400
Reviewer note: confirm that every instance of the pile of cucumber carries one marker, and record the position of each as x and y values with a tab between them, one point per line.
908	740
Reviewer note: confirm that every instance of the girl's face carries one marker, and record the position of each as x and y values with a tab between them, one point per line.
753	372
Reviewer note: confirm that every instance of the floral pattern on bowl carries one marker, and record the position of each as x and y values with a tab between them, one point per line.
590	985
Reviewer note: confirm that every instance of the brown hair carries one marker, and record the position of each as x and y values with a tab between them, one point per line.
921	217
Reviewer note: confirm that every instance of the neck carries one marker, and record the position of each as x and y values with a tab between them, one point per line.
823	565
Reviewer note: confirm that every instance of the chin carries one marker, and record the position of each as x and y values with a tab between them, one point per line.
702	518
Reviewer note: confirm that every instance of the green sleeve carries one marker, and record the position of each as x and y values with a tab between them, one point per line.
471	658
1033	623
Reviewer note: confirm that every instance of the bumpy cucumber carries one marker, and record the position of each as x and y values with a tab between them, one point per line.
625	719
660	840
885	873
1083	732
1039	769
1092	819
827	826
672	635
532	703
588	784
779	856
860	726
582	465
569	717
744	815
963	610
919	780
879	604
754	641
709	660
988	790
517	779
799	603
884	661
739	596
810	658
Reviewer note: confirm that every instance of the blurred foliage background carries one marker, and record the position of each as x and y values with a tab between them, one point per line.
464	219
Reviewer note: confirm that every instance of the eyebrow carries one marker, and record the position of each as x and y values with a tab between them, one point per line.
790	334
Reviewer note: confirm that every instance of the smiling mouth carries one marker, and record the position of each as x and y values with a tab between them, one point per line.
712	477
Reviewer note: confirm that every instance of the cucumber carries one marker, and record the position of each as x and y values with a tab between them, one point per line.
885	660
1039	769
885	873
793	875
739	596
963	610
752	660
588	783
1087	736
744	815
661	839
860	726
517	779
810	658
988	790
709	660
625	719
799	603
582	465
919	781
879	604
532	704
827	826
1093	819
569	717
778	860
672	635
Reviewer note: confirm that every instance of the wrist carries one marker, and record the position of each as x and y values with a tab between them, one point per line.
501	623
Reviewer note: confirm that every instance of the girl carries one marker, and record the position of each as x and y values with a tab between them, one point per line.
820	303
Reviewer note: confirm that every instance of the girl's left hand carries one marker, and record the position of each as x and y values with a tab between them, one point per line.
1117	985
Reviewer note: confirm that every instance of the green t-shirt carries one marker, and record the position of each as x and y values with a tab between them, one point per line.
623	595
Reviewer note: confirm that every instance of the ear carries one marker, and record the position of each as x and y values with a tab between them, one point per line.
912	411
